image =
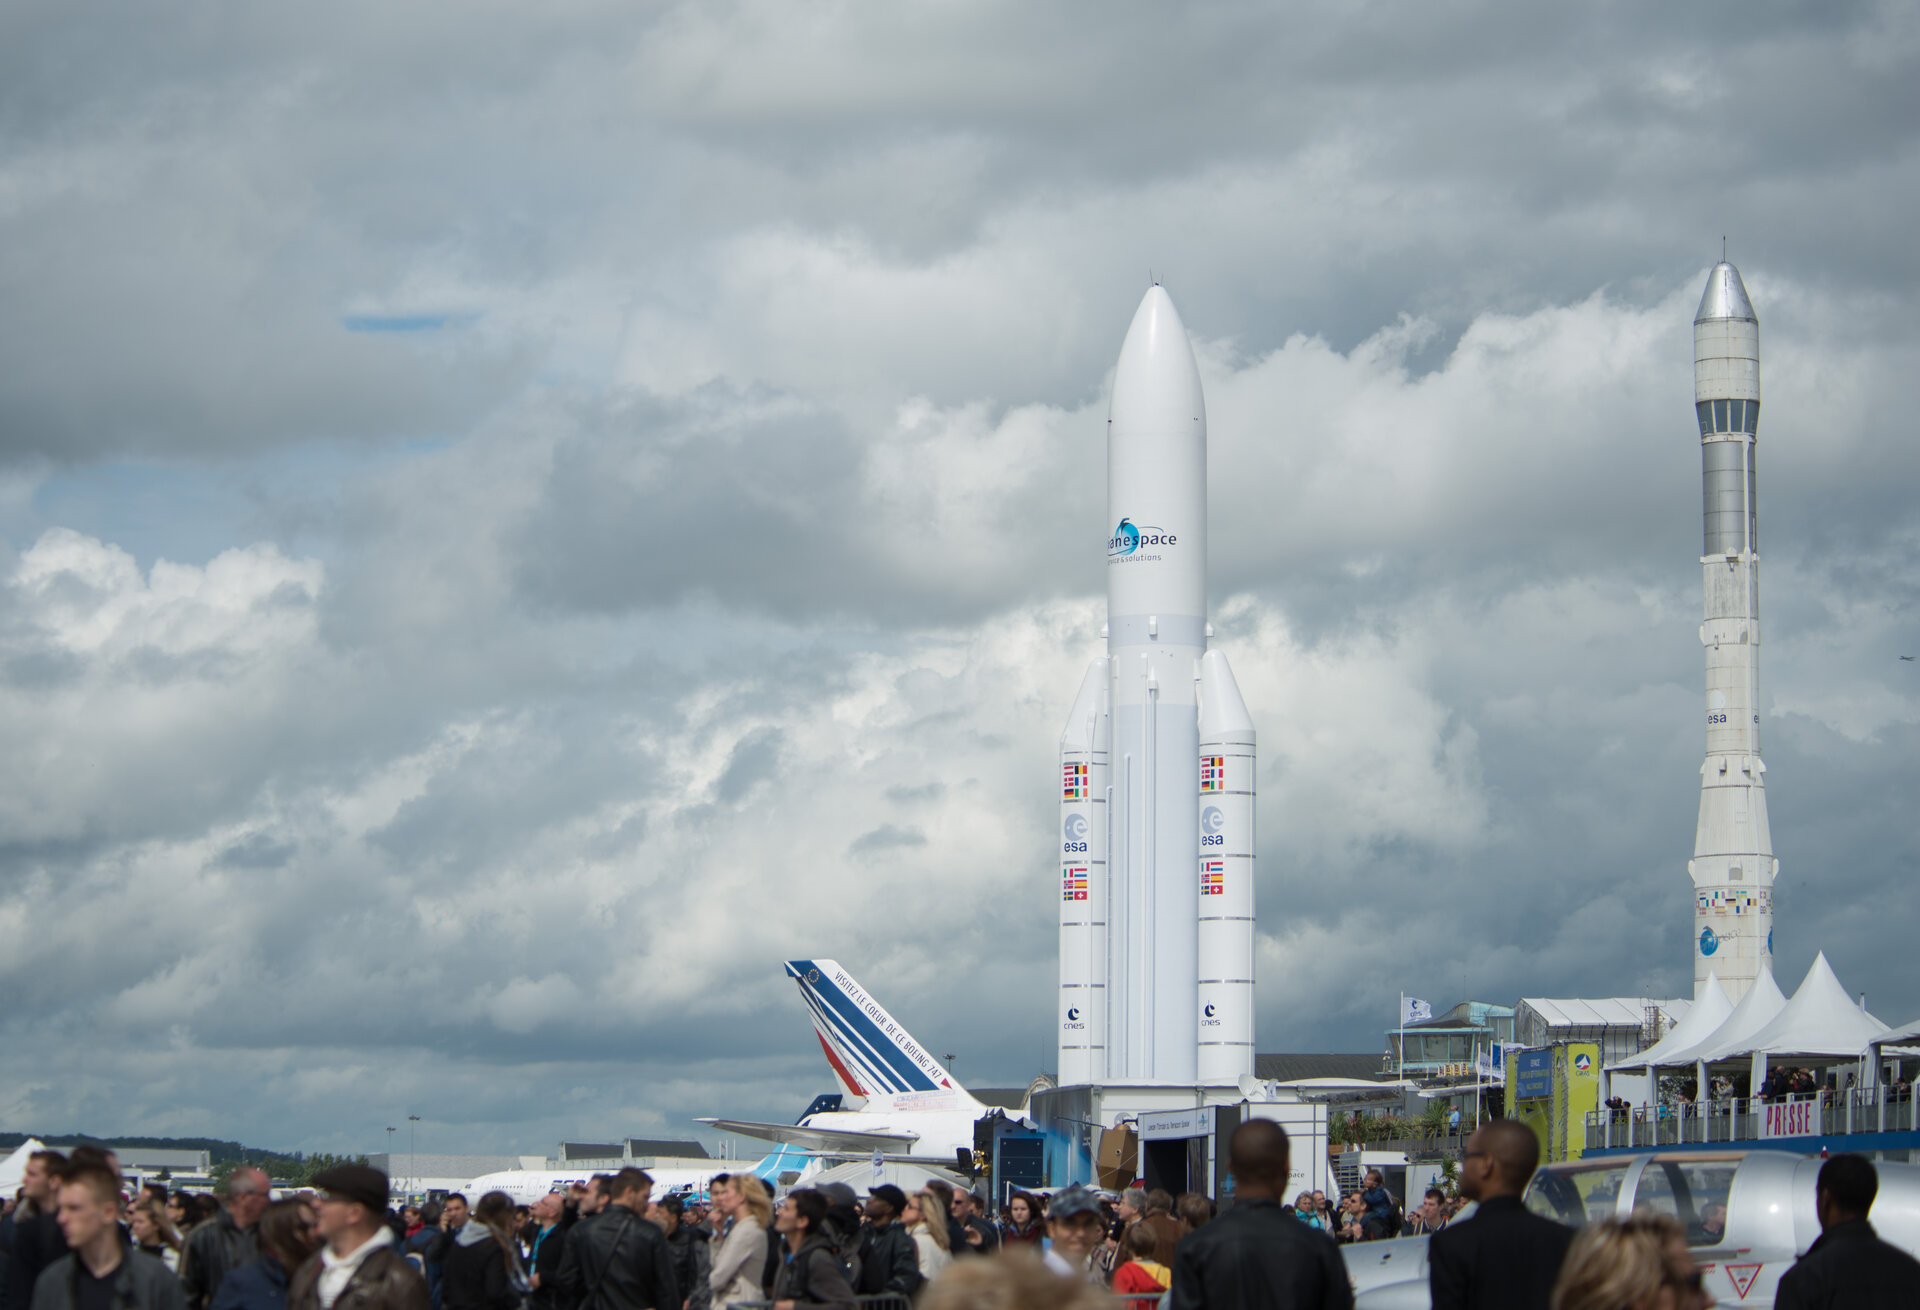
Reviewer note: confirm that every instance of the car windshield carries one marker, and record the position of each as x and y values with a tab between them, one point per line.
1577	1194
1692	1191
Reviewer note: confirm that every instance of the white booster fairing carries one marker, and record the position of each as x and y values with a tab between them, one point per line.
1140	999
1732	866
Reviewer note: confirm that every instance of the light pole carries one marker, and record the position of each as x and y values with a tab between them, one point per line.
390	1132
413	1175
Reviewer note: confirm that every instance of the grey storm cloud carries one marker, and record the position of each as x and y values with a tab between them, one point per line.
519	521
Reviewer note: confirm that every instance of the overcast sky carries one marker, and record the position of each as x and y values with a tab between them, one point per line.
515	520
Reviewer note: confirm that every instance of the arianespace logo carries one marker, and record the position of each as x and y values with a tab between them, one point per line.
1709	942
1129	540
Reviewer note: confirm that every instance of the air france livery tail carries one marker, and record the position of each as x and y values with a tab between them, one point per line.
895	1098
875	1059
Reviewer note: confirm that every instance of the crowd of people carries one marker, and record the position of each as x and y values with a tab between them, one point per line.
75	1239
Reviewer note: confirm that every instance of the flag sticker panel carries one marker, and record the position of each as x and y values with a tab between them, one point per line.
1213	878
1073	883
1073	782
1213	772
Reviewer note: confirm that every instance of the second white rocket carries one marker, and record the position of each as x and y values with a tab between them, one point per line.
1157	764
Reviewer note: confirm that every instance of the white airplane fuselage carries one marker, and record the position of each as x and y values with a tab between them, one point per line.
526	1186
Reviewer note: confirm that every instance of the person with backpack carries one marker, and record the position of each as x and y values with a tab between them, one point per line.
813	1277
483	1270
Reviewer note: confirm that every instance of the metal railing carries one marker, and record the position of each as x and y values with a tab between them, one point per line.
1740	1119
871	1301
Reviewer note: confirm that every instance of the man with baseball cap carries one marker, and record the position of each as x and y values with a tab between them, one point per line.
888	1260
1076	1226
359	1268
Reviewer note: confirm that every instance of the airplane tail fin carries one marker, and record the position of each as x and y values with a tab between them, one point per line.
871	1054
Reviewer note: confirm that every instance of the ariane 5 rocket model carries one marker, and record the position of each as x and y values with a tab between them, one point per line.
1157	764
1732	866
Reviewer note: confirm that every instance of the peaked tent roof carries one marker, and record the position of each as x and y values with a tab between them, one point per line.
1905	1035
1755	1011
13	1169
1821	1019
1710	1009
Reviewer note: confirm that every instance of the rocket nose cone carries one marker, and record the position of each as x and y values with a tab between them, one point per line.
1156	371
1725	296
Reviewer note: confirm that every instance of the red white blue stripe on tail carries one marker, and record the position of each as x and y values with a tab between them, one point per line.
871	1054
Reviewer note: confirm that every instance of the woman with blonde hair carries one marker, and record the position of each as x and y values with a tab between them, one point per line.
740	1258
153	1232
926	1221
1637	1263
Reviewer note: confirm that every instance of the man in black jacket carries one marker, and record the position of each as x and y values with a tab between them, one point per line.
216	1249
692	1248
1256	1255
36	1240
811	1277
1503	1257
888	1260
619	1260
100	1269
1848	1265
544	1249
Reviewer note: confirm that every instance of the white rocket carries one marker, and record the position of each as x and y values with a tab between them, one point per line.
1732	866
1157	764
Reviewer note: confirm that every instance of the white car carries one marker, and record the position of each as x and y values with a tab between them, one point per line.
1748	1214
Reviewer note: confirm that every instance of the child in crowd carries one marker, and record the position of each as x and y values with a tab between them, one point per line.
1140	1275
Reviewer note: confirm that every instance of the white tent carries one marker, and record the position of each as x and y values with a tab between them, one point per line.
1905	1035
1821	1021
1756	1010
1904	1038
13	1169
1710	1010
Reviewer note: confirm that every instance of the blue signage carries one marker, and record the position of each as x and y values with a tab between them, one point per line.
1532	1074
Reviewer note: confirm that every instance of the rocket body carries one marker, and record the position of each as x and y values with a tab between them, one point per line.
1732	868
1132	758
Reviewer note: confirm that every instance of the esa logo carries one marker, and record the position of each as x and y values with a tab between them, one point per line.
1073	1018
1211	822
1074	832
1208	1017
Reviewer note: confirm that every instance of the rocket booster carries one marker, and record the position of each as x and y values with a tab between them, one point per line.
1732	867
1156	945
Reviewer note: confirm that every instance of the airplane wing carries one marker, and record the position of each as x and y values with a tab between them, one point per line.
816	1139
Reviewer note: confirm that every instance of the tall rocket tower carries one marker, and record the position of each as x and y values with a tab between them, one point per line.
1157	764
1732	866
